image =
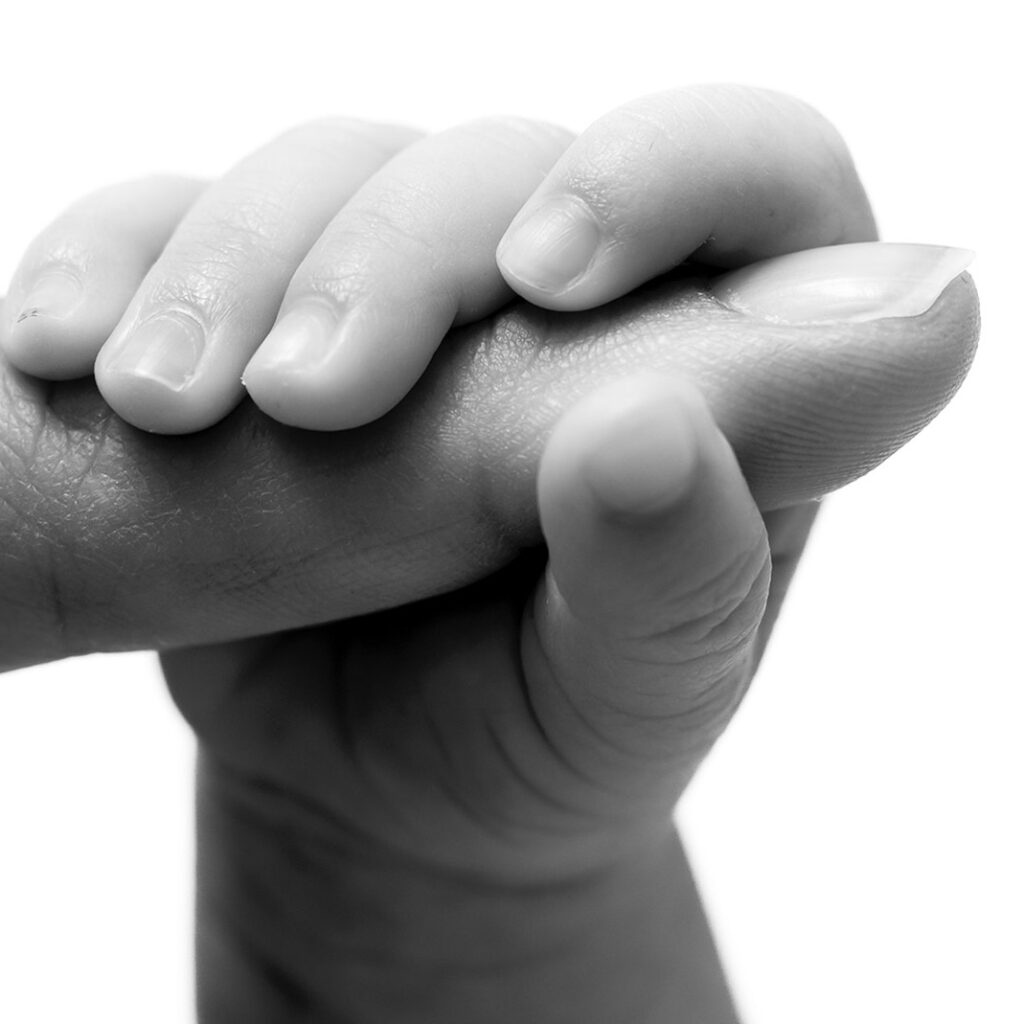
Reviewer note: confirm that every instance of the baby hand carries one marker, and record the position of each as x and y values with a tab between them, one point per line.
325	269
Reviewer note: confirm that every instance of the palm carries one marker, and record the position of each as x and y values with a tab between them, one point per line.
428	730
415	728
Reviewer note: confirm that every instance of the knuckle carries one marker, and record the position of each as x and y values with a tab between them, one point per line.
207	265
727	608
697	672
611	157
336	136
203	292
711	619
669	134
514	132
399	217
246	224
358	251
67	246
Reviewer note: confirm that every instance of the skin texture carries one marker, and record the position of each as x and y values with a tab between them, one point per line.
387	307
111	236
464	804
493	770
119	538
123	540
722	174
358	246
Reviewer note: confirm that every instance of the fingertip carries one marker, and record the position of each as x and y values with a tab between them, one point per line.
78	276
321	368
49	347
643	460
549	247
54	331
709	172
302	395
147	403
162	390
631	450
285	392
641	497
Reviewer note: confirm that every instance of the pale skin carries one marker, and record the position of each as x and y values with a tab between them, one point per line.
463	804
303	269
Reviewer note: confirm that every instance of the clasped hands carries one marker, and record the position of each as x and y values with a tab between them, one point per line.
453	658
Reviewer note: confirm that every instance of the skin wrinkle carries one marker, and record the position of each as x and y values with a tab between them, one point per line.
706	712
477	962
332	838
67	451
511	377
609	742
564	810
535	655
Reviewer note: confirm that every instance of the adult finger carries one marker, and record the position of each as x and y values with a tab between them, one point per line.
78	276
121	539
174	362
642	636
408	257
721	174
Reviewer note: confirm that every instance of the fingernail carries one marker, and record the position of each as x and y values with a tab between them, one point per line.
645	466
53	294
304	337
553	247
166	349
843	283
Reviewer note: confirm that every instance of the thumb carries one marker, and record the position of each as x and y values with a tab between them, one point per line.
642	638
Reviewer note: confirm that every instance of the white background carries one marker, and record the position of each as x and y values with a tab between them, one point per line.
858	832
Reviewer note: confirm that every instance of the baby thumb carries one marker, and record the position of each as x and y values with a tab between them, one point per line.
642	636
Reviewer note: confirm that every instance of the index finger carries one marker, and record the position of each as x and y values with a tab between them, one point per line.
722	174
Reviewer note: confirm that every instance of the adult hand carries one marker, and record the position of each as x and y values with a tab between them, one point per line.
115	539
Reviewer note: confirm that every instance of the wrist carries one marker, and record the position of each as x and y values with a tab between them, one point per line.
301	918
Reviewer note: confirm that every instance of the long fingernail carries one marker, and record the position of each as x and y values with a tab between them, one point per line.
843	283
52	294
646	463
553	247
303	338
166	349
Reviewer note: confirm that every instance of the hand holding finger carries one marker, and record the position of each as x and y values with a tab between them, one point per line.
174	362
411	255
248	529
644	630
721	174
375	267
